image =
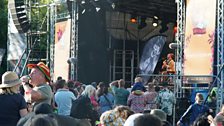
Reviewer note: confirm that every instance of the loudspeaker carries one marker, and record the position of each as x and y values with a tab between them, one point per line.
18	12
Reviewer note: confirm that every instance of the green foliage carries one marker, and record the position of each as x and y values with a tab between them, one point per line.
3	31
3	23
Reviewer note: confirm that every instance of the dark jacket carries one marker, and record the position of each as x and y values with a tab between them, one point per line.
193	112
138	86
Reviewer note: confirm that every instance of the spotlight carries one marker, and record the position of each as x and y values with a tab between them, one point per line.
97	9
155	17
155	22
113	5
83	11
133	19
83	2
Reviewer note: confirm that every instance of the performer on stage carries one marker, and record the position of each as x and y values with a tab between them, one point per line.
169	64
168	67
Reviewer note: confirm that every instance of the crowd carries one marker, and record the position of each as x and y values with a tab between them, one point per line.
35	100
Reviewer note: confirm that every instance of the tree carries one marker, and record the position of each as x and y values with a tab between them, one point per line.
3	32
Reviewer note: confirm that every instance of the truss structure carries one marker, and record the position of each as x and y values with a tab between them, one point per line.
52	36
180	42
74	41
220	51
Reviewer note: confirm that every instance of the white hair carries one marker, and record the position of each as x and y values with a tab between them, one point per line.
89	90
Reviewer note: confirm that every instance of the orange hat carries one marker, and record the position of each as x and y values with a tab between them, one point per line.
43	68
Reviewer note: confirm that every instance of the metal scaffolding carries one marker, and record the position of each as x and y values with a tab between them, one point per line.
52	36
220	51
74	41
180	42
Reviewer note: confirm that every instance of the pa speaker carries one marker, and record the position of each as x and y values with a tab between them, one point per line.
18	12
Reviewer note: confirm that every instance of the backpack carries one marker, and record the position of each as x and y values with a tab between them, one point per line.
82	109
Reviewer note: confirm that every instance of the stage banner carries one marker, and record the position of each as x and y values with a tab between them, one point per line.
199	37
62	49
151	54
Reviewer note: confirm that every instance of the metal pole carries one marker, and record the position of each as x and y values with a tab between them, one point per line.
123	52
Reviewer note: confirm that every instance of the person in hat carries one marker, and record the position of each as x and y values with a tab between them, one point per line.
12	105
166	101
39	77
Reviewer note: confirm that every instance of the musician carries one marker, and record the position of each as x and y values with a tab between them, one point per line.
169	64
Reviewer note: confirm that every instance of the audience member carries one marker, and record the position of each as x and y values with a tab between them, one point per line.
82	108
110	118
41	108
219	118
166	101
120	93
123	111
55	120
136	101
12	105
39	76
71	87
100	89
201	120
194	111
147	120
106	101
131	119
150	97
138	85
63	98
161	115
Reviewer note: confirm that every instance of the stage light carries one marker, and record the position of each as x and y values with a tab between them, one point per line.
113	5
83	11
97	6
83	2
133	19
156	17
97	9
155	22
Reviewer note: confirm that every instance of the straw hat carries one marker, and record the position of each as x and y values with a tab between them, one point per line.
43	68
10	79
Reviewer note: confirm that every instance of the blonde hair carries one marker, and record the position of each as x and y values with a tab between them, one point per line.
138	79
89	90
9	90
123	111
199	96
